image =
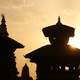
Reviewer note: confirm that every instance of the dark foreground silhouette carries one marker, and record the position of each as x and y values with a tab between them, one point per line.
57	61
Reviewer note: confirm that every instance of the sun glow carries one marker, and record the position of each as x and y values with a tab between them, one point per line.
74	42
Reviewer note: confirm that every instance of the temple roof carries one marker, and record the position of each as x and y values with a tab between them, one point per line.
14	43
58	29
55	53
4	35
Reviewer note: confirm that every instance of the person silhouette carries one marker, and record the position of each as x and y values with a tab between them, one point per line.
57	61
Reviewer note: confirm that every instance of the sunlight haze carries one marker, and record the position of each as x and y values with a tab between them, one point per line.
26	18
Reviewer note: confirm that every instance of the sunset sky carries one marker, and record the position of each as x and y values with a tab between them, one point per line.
26	18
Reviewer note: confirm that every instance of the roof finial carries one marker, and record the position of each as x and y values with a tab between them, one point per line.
3	28
3	19
59	19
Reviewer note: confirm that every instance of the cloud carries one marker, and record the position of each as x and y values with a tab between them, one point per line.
12	3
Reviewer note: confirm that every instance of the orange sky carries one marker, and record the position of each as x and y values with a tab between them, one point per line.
26	18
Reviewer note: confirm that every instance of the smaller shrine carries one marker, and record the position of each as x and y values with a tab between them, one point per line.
25	73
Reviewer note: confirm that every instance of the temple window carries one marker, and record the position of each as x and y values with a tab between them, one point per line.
66	68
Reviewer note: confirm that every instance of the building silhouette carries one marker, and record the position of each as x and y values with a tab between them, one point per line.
56	61
25	73
8	45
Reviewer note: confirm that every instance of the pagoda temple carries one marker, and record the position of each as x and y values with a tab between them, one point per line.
8	46
56	61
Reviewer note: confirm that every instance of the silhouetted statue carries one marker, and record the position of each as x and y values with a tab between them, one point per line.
25	73
57	61
8	46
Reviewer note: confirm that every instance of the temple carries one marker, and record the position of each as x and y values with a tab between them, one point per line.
8	46
56	61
